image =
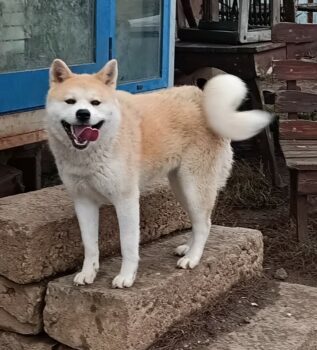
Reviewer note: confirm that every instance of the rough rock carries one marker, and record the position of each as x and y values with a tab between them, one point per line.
40	237
281	274
101	318
289	323
21	306
13	341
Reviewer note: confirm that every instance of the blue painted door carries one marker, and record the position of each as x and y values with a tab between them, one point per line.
86	34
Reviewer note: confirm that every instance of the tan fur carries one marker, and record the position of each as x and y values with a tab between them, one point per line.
144	138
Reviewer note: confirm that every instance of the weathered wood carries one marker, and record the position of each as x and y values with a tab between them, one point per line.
289	10
307	182
300	153
302	163
293	192
215	10
307	7
21	123
189	13
301	217
294	33
243	20
295	101
180	15
298	138
295	70
275	12
295	145
298	129
308	50
22	139
291	85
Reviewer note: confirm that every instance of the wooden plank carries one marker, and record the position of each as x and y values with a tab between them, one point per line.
22	139
290	147
302	153
21	123
307	182
294	33
307	7
302	163
243	20
295	70
293	191
298	143
275	12
295	101
215	10
298	129
308	50
187	8
301	218
289	10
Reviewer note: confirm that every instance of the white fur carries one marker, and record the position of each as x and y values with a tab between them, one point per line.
127	155
222	96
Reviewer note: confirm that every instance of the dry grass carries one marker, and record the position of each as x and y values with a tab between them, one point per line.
250	188
251	201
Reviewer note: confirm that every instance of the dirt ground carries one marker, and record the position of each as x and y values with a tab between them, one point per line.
251	201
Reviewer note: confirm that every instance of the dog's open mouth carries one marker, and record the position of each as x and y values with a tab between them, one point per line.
82	134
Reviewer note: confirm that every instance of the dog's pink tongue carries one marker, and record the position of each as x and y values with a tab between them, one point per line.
86	133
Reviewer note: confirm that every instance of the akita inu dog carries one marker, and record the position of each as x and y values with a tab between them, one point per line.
110	144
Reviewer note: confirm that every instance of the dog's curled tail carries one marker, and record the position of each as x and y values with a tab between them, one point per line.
223	94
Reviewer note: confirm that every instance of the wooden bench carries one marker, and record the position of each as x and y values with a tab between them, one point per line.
21	139
298	136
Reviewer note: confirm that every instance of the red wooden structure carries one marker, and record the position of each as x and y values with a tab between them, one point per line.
298	136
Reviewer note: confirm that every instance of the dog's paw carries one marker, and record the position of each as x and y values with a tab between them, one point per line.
187	262
122	281
181	250
85	277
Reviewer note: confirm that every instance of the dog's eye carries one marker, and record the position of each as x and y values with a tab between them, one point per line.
70	101
95	102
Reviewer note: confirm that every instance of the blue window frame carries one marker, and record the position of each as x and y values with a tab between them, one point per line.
26	90
142	85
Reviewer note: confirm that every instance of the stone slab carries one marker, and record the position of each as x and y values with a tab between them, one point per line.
40	237
101	318
289	323
13	341
21	306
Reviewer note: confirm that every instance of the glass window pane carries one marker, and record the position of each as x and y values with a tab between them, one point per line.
33	33
138	39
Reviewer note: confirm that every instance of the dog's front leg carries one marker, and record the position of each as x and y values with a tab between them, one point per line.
128	216
88	217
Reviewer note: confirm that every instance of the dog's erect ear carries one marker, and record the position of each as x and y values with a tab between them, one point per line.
59	72
109	74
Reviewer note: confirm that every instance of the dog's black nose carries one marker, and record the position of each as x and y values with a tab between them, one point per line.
83	115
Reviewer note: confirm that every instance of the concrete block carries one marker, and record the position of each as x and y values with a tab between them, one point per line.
13	341
21	306
101	318
40	237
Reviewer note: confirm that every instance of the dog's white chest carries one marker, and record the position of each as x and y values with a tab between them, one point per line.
101	179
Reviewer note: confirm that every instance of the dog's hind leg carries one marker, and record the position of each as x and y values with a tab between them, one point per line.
199	192
182	249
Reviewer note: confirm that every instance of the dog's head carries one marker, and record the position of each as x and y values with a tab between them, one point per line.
82	108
